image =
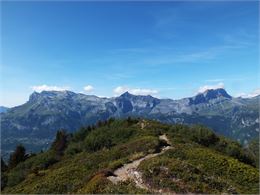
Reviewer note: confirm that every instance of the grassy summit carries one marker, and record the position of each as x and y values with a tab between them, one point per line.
198	161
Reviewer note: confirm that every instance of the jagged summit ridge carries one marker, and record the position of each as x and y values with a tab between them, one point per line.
48	111
210	95
126	94
214	93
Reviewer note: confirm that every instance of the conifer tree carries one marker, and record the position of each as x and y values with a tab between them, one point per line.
60	142
17	156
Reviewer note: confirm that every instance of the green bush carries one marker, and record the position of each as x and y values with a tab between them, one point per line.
97	142
16	177
253	150
234	149
81	134
193	168
206	137
203	136
74	148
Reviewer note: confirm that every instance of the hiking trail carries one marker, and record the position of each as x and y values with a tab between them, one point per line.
129	170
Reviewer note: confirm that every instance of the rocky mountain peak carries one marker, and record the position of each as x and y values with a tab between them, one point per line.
208	95
36	96
126	95
215	93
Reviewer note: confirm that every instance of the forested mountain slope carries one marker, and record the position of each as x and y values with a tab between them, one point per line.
196	161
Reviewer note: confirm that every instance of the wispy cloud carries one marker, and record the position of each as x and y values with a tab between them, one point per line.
171	56
136	91
254	93
240	78
177	58
214	80
207	87
238	39
39	88
117	76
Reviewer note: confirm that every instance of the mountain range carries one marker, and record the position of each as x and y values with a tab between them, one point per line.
3	109
35	123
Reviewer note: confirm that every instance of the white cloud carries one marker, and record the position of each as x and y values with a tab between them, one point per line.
207	87
39	88
254	93
135	91
88	88
120	90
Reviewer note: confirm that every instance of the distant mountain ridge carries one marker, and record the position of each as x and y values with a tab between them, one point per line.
36	122
209	95
3	109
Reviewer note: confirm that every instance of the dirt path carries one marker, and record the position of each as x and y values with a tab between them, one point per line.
129	171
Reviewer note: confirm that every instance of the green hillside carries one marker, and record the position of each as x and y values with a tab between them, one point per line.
192	159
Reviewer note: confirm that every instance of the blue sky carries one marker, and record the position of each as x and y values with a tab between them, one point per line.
167	49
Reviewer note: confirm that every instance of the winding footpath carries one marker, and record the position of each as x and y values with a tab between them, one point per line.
129	170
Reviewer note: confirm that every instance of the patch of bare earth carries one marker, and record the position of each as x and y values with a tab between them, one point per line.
129	171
